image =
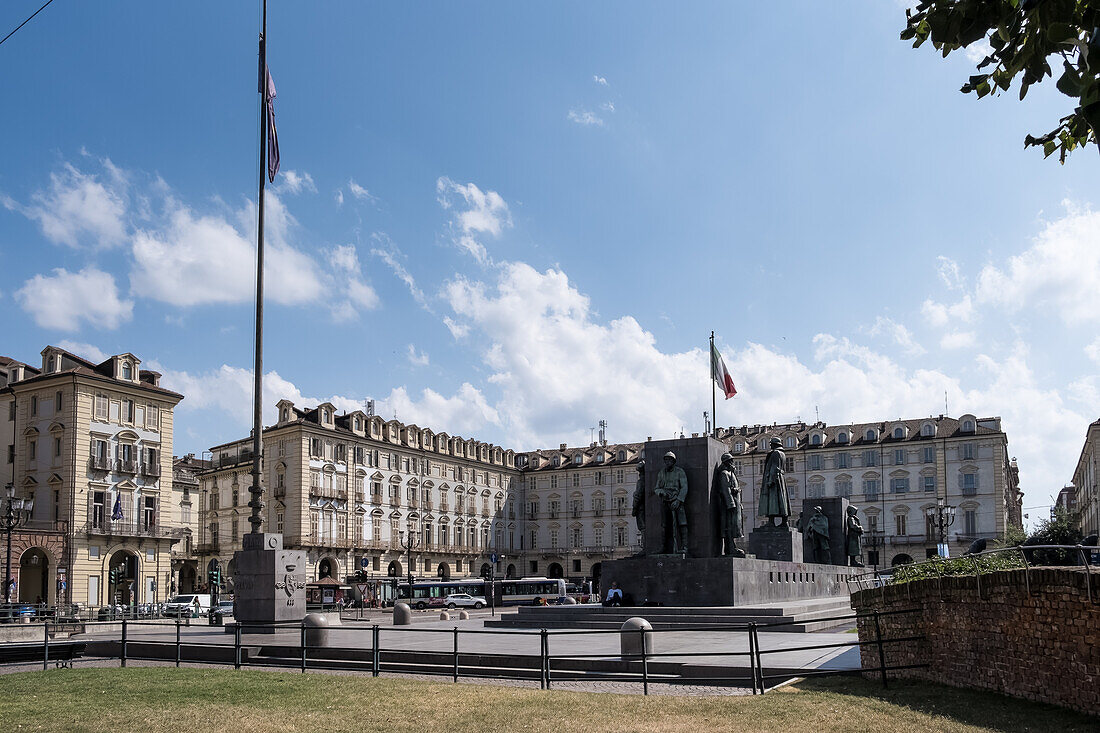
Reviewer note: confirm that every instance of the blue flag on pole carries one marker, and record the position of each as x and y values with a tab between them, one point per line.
116	513
272	133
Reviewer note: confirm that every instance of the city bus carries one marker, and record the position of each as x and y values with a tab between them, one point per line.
509	592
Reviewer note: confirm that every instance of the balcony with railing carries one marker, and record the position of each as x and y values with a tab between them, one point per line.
150	469
126	465
328	493
123	528
100	463
232	458
206	548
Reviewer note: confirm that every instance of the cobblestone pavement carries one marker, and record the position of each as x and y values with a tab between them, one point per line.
604	686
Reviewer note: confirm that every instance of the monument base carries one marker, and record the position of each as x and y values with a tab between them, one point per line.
776	543
721	581
269	584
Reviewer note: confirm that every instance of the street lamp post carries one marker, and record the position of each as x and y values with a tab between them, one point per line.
410	541
942	516
17	512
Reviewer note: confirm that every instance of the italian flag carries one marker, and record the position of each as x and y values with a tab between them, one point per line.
719	373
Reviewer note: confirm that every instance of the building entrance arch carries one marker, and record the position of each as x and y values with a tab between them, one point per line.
511	571
555	571
443	572
122	578
34	576
326	568
188	579
901	559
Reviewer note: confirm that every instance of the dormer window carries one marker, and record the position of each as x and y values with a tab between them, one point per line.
739	447
127	371
899	433
968	426
842	437
815	439
622	455
599	458
870	436
286	414
789	442
928	430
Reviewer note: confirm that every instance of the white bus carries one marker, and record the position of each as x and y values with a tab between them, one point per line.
509	592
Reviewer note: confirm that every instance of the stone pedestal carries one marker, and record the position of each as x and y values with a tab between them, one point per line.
836	509
270	582
776	543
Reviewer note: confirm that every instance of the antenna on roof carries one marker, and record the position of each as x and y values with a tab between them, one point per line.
945	410
817	415
370	408
706	422
603	432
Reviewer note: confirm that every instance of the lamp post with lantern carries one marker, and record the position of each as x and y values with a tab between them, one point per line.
942	515
16	513
410	540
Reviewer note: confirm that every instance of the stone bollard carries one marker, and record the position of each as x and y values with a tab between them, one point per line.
402	614
631	638
318	628
444	616
463	615
569	601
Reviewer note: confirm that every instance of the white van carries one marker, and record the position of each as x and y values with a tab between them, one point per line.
190	605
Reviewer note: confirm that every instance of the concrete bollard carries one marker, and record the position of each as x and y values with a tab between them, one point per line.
463	615
318	626
444	616
402	614
631	637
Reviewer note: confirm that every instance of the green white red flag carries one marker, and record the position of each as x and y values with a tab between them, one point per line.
719	373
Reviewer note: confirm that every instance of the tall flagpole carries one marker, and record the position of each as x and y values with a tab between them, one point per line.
256	502
713	400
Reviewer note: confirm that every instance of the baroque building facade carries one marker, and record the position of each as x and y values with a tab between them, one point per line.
350	488
91	443
1086	481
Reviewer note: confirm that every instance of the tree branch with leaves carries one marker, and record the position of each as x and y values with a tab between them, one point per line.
1026	37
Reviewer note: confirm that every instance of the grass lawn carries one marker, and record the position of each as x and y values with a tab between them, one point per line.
169	699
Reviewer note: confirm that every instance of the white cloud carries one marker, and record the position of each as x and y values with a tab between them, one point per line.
88	351
353	294
977	51
949	273
608	106
958	340
474	212
458	330
1092	350
339	196
1059	273
359	192
389	253
79	208
64	299
939	314
465	413
901	335
293	182
584	117
599	80
417	358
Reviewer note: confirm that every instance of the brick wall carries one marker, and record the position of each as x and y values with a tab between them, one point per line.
1040	645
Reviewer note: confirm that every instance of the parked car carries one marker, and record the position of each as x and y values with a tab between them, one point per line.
465	600
224	609
193	604
15	612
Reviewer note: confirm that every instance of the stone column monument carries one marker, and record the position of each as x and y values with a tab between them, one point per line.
270	583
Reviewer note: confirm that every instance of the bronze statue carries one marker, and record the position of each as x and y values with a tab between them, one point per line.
672	489
774	500
818	527
638	508
853	538
729	511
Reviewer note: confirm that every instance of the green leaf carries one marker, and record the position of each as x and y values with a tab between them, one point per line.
1049	147
1070	81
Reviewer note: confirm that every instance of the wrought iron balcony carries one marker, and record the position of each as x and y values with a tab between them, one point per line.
122	528
100	463
150	469
123	465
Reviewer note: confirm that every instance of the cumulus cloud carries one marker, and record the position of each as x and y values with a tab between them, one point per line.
1058	274
897	332
977	51
63	300
958	340
1092	351
941	314
475	212
584	117
79	209
949	273
359	192
90	352
293	182
467	412
417	358
353	294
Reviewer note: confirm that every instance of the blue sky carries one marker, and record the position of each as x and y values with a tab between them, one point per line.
512	220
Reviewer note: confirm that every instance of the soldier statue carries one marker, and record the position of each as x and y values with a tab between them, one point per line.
774	500
672	488
729	509
853	538
818	527
638	508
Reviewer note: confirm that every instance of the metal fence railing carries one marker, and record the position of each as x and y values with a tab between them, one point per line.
383	649
1020	557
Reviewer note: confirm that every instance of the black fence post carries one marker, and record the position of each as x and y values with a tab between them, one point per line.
759	659
881	651
178	647
376	660
456	654
45	644
303	646
544	658
122	653
752	654
237	645
645	662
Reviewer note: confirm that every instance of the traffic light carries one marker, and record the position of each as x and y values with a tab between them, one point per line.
214	577
112	576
